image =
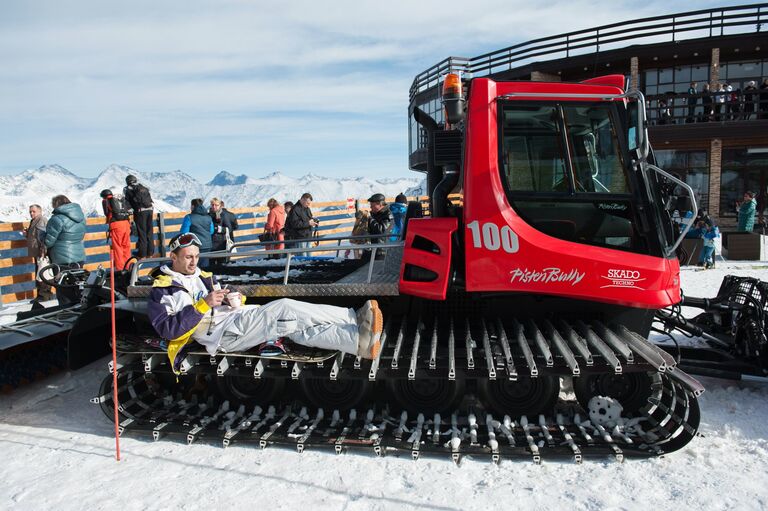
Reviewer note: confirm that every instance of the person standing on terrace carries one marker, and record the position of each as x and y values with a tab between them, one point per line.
140	199
200	224
300	223
275	224
750	93
746	211
64	235
36	249
692	100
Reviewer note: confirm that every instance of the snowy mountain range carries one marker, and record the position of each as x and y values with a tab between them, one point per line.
173	191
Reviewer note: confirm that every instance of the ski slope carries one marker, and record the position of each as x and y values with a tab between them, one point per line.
58	453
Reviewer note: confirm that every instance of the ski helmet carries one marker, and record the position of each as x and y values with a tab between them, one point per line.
130	179
105	193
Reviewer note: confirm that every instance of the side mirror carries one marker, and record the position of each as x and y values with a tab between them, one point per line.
632	138
637	133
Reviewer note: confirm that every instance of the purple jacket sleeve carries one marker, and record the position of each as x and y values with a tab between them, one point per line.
177	325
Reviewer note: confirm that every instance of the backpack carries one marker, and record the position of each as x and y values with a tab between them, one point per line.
141	196
119	207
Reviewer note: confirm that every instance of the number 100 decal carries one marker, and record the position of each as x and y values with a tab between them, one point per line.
489	236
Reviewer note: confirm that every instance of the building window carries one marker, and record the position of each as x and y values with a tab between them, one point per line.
670	82
692	167
744	169
738	74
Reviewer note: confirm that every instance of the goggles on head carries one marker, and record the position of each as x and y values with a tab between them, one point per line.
184	241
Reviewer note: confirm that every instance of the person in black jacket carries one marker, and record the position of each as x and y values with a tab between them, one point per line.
139	198
231	219
222	228
300	223
380	219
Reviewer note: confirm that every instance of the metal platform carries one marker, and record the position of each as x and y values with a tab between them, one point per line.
37	327
374	278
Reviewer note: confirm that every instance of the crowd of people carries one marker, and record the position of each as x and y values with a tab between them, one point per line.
59	240
721	102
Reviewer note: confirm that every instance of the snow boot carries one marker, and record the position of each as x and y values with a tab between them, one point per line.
370	323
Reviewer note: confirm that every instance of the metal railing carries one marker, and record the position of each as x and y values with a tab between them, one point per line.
667	109
667	28
338	239
261	253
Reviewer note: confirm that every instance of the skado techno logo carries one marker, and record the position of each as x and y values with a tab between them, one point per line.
546	276
623	278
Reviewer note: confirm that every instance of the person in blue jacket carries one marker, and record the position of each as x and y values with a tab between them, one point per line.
64	235
398	210
199	223
707	256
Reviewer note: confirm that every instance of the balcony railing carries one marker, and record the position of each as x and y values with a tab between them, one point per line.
730	20
669	109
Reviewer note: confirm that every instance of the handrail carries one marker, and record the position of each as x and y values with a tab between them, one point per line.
373	247
253	243
694	207
675	25
671	108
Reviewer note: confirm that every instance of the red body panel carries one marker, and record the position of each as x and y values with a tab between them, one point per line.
538	263
610	80
431	253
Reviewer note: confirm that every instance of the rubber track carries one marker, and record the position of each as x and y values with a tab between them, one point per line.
670	420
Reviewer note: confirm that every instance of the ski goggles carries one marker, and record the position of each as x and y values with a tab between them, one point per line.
184	241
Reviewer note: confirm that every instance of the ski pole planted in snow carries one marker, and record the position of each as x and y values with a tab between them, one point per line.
114	349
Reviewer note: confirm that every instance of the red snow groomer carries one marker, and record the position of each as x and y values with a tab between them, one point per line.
516	313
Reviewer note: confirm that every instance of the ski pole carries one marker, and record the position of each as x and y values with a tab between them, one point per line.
114	348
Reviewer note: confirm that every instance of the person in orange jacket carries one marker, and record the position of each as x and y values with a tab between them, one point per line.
119	228
275	223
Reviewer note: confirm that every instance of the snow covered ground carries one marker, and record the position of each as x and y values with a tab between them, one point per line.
58	453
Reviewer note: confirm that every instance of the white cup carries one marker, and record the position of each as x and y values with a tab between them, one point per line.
234	299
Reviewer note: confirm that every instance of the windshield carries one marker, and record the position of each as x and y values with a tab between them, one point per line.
535	151
564	171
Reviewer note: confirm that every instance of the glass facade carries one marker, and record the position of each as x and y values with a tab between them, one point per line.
739	73
676	80
692	167
673	80
743	169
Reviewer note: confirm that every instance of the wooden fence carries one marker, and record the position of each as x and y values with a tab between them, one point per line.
17	268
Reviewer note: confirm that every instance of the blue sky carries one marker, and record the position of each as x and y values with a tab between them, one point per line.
244	86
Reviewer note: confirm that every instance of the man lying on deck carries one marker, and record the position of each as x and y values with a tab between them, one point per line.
187	304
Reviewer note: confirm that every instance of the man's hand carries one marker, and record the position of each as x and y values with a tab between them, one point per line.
314	223
216	297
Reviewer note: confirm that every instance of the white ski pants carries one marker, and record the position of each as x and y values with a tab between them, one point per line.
309	324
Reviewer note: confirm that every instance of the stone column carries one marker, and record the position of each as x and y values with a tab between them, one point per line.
714	68
634	72
715	168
